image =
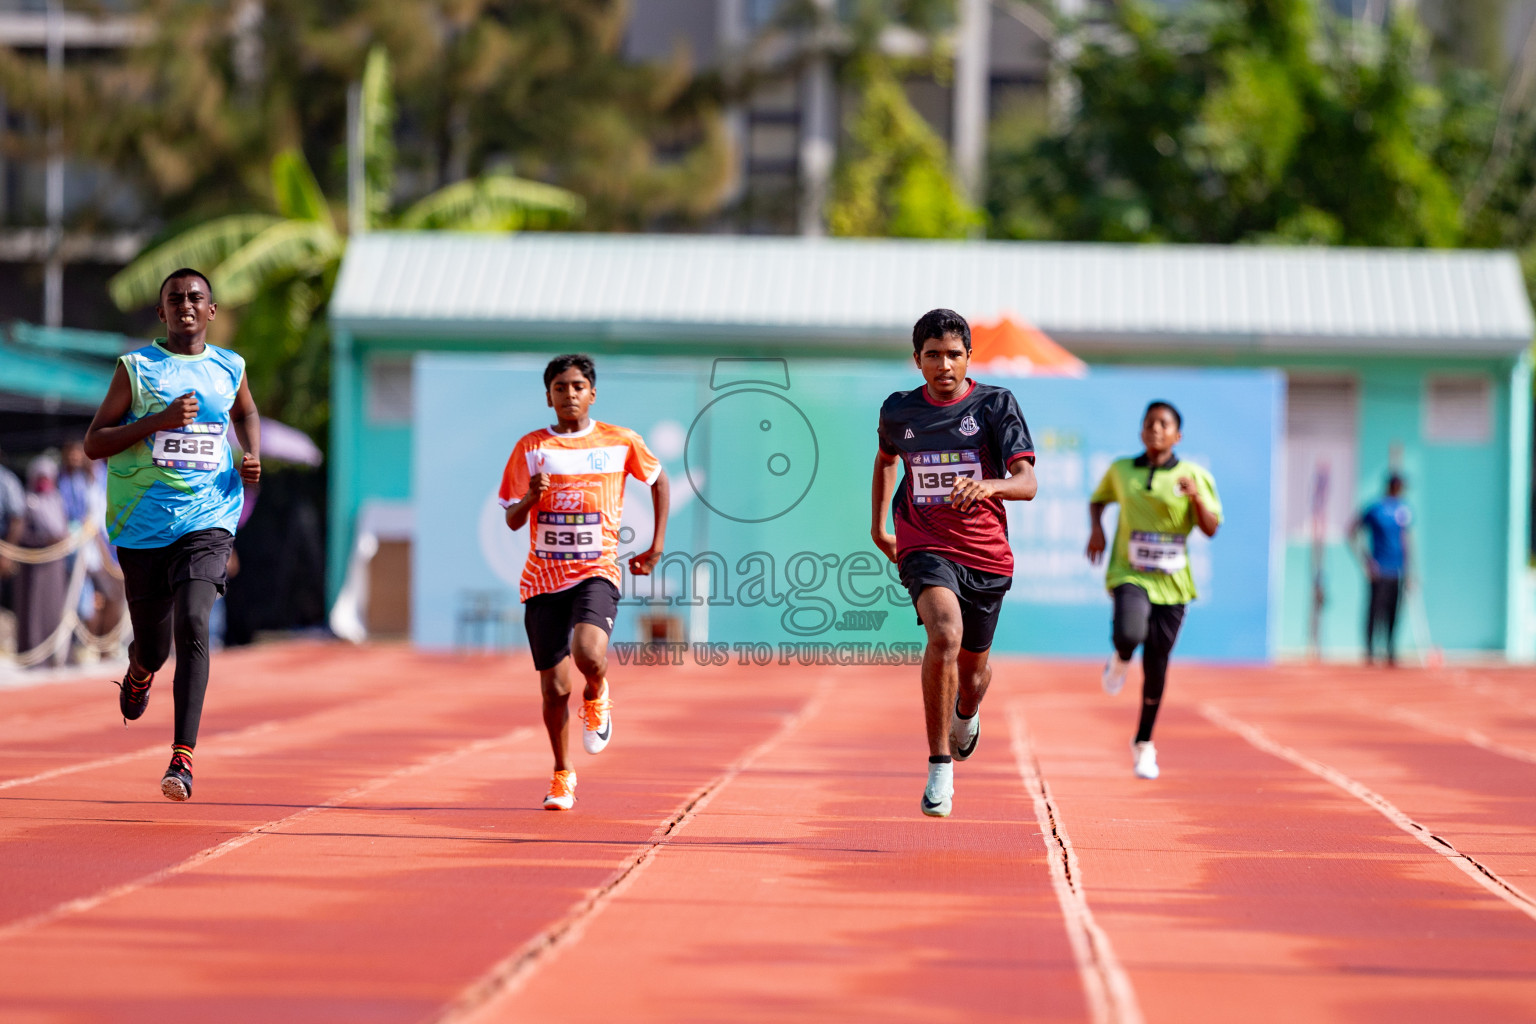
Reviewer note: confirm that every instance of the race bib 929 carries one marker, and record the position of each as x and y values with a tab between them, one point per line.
934	474
197	446
565	536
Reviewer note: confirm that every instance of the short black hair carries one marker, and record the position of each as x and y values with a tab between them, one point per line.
938	323
184	272
560	364
1178	420
1395	482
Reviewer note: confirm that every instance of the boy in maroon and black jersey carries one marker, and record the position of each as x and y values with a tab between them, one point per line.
967	450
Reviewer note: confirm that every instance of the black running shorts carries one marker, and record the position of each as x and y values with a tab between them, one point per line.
151	574
549	618
980	593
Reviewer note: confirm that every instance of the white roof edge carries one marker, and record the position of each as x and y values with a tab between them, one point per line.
1101	297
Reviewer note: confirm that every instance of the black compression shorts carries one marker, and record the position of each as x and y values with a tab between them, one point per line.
151	574
980	593
549	618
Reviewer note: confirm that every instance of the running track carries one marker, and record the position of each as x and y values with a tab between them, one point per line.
365	844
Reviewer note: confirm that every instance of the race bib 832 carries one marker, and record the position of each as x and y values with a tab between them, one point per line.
197	446
934	474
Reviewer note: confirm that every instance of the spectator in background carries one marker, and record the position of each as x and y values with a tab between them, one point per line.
1385	557
40	589
83	486
13	505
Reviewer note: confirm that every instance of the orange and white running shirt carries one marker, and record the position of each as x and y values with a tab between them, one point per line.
575	529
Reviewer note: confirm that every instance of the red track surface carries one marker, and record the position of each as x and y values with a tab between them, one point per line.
365	843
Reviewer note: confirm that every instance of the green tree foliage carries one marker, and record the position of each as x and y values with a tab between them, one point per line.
274	272
1244	120
893	174
194	114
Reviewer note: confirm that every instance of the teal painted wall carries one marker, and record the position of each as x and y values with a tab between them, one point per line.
1462	495
369	459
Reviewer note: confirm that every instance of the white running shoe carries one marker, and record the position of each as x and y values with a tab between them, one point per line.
1114	674
597	722
562	792
963	733
940	793
1144	759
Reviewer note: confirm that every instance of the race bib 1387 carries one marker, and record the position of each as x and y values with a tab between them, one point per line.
934	474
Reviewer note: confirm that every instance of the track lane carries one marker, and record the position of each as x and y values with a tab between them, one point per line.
812	889
1265	889
386	907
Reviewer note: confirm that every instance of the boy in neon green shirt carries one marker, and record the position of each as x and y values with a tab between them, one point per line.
1162	500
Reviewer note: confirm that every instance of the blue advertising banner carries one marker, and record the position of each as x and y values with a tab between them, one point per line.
768	549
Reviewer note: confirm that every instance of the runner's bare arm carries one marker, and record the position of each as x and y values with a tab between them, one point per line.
247	424
1204	517
1021	485
881	487
108	435
1096	541
661	502
517	512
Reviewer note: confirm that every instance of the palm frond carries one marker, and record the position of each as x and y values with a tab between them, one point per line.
285	249
378	115
497	202
297	192
204	247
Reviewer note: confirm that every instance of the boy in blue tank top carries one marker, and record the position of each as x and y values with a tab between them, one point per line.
173	499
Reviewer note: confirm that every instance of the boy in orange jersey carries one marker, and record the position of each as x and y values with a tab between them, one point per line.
570	478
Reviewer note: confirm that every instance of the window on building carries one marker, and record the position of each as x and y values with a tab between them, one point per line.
389	390
1458	409
1321	453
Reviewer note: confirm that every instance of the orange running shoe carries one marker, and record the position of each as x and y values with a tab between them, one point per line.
562	792
597	719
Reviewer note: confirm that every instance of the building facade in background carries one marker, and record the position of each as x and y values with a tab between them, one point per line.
1389	360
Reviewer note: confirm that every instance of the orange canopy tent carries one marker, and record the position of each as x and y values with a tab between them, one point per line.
1021	350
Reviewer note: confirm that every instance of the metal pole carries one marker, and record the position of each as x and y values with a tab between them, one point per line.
53	268
731	39
818	151
971	78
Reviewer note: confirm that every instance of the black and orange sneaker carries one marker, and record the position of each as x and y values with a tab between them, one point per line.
177	783
133	695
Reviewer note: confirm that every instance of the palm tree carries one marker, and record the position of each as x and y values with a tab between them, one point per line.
276	270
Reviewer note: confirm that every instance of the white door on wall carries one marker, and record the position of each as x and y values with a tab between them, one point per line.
1321	453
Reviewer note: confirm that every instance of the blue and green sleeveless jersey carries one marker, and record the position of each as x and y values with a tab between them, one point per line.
175	482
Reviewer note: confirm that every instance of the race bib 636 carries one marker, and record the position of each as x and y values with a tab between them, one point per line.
563	536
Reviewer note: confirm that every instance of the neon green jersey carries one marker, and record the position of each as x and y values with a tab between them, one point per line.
1151	542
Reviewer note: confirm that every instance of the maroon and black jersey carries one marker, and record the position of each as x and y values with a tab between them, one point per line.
978	434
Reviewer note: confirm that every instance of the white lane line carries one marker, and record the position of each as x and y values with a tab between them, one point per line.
159	748
1111	997
478	1000
1472	868
1426	724
198	859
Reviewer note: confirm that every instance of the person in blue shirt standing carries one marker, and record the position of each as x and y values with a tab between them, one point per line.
1385	557
174	491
